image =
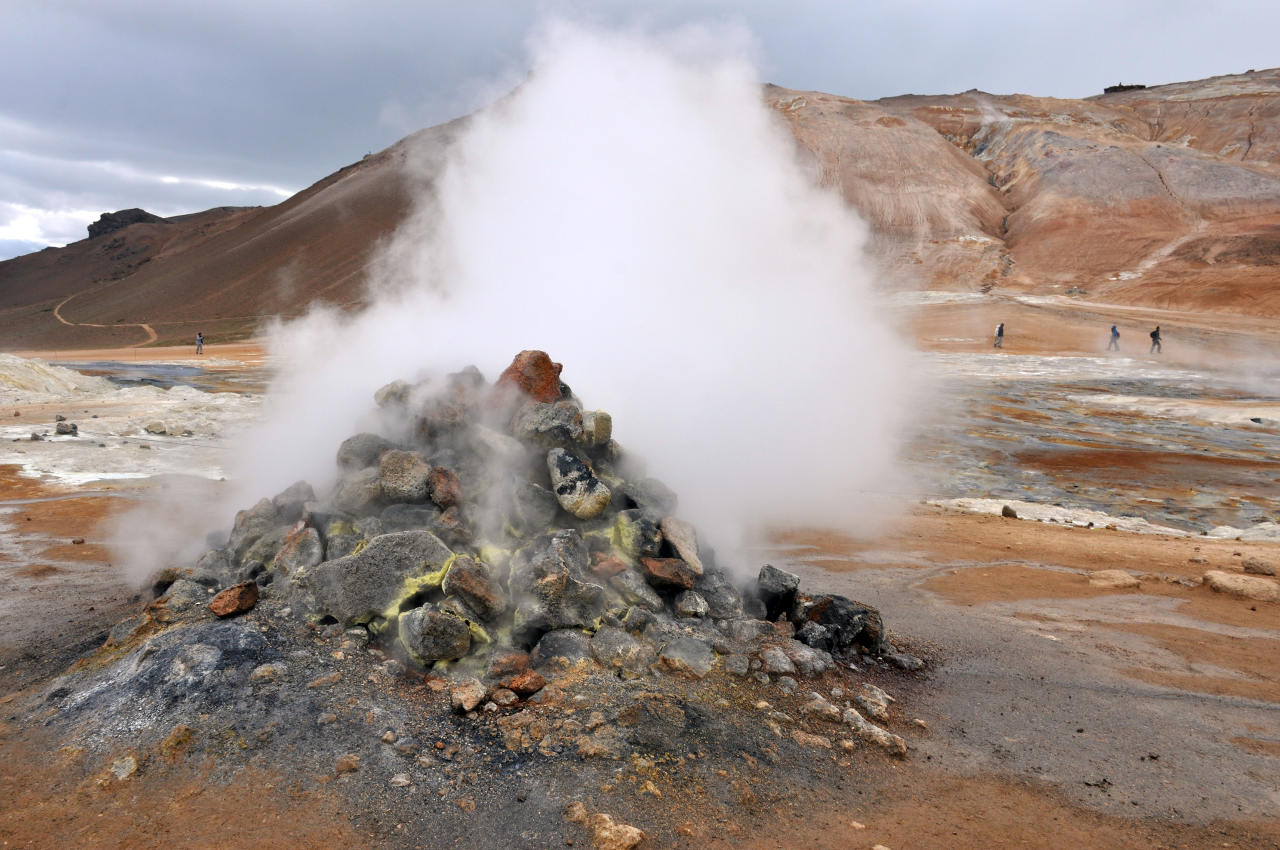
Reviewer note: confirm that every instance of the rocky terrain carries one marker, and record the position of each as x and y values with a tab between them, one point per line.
491	590
1166	196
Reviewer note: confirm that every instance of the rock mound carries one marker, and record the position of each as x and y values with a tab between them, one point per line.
110	222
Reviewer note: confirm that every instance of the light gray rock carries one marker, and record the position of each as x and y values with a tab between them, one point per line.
691	604
684	539
874	702
250	525
558	424
868	731
576	487
361	451
635	590
774	660
402	476
688	655
359	493
301	549
291	501
615	649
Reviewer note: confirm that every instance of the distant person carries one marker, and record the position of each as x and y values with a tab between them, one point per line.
999	343
1156	348
200	342
1114	345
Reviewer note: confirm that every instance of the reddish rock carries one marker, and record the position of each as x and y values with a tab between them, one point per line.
470	579
235	599
508	663
606	565
669	572
526	683
444	487
534	374
349	763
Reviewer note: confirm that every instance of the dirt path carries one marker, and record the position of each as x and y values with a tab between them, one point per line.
57	314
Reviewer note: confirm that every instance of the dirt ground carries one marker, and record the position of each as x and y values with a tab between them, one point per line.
1055	713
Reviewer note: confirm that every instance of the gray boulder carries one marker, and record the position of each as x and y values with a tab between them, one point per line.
561	647
549	588
215	568
688	655
429	635
361	450
359	493
548	425
250	525
635	590
615	649
402	517
359	587
470	580
530	508
777	589
691	604
302	548
684	539
403	476
291	501
848	625
575	485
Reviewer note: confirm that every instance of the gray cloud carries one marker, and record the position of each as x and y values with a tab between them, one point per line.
284	93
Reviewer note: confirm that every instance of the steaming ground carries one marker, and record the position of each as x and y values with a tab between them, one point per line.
1165	668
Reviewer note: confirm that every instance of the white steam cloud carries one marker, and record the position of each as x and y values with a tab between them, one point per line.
635	210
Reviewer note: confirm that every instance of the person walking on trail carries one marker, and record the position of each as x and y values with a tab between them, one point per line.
1114	345
999	343
200	342
1156	347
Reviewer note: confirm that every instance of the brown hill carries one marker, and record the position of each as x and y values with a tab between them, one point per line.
1164	196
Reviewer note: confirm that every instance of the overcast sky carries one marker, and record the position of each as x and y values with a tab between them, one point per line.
180	106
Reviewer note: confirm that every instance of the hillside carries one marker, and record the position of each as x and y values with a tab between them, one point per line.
1166	196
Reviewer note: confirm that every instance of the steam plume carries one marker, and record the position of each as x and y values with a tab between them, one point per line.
637	211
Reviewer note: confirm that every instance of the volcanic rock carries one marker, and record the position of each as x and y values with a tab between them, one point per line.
548	585
110	222
402	476
302	548
444	487
372	582
361	450
429	634
615	649
291	501
849	624
235	599
684	539
251	525
777	589
470	580
688	655
533	374
597	428
556	425
634	534
690	604
635	590
561	646
359	493
576	487
668	573
467	694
